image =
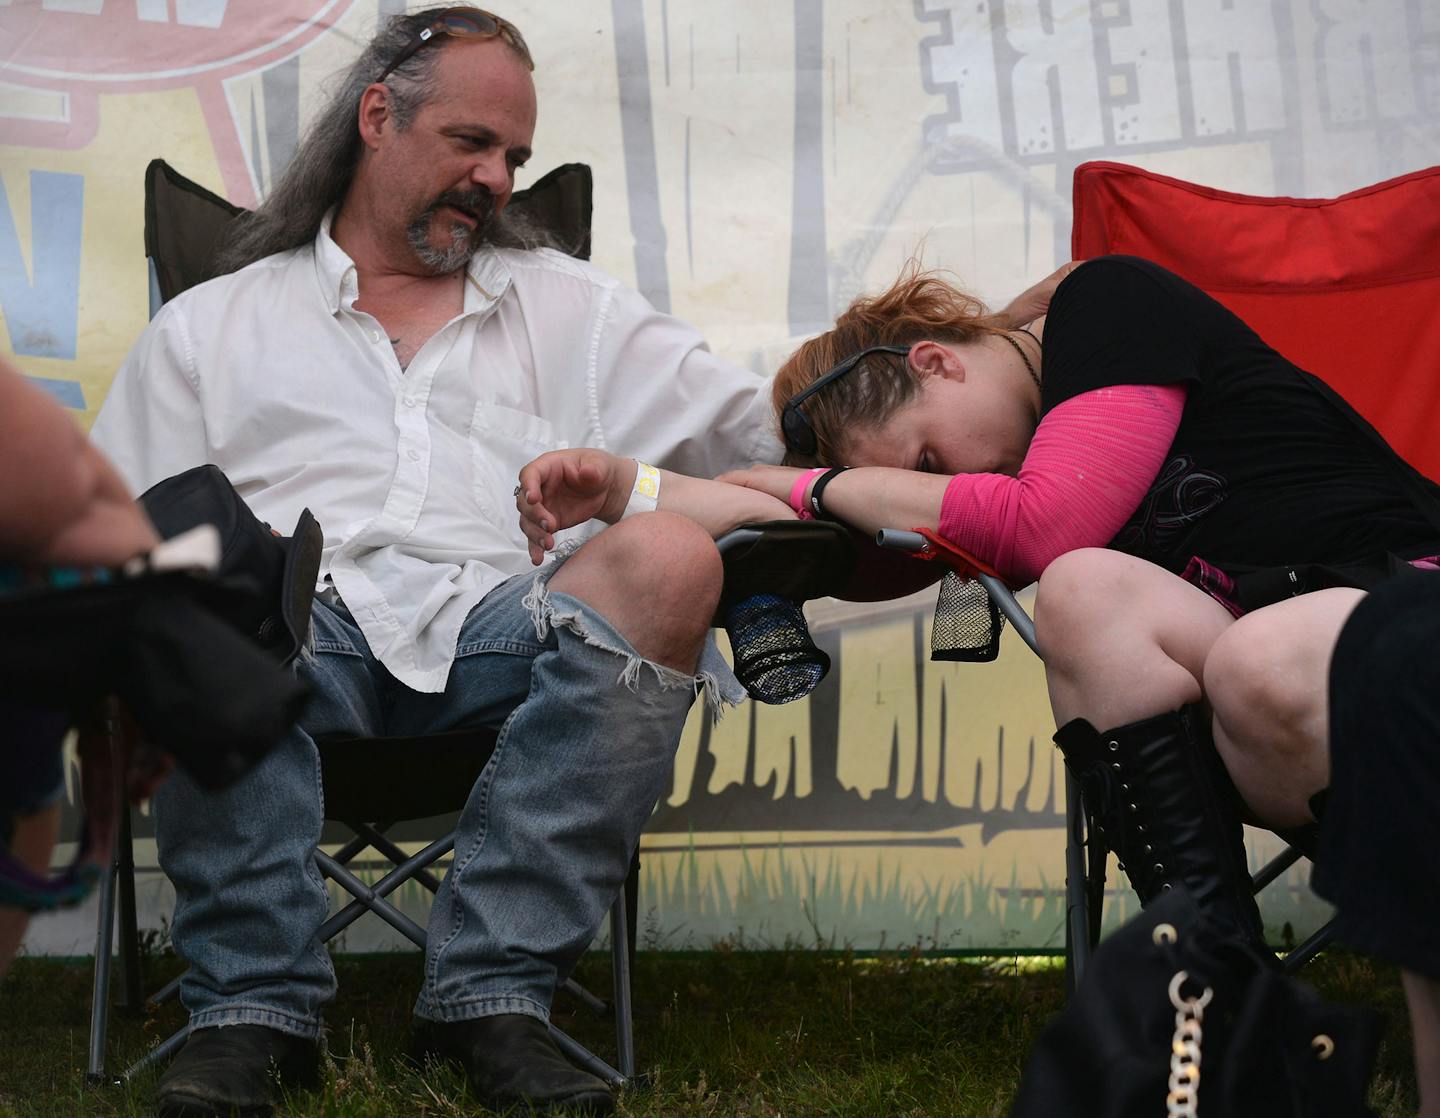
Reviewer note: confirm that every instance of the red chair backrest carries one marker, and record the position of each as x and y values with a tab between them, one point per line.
1347	288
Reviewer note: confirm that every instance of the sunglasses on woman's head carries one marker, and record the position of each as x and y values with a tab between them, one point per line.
795	426
462	23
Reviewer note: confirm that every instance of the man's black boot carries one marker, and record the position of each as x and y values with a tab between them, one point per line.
235	1070
512	1061
1161	801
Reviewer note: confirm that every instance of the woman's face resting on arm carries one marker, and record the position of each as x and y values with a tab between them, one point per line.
961	396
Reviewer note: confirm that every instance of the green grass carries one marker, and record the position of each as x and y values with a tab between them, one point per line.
723	1033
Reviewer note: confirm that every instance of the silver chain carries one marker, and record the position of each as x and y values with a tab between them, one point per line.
1184	1093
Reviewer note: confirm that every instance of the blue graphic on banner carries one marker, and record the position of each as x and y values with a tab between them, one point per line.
68	392
43	313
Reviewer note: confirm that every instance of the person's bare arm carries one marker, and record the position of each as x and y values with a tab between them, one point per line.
1034	301
567	487
60	500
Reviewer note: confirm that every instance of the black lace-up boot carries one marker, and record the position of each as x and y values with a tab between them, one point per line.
1158	797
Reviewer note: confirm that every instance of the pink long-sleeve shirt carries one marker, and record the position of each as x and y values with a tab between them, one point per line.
1089	465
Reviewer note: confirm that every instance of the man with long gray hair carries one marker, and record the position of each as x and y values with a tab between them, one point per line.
385	356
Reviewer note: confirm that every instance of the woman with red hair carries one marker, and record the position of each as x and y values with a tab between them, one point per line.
1201	516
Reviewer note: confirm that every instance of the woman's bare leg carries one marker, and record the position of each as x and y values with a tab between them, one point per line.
1267	680
1422	995
31	844
1122	639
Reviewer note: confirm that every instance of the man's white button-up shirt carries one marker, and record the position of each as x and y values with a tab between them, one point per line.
273	375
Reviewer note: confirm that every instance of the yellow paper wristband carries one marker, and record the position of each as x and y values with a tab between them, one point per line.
645	496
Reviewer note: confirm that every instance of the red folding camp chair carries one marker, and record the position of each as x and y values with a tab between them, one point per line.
1346	288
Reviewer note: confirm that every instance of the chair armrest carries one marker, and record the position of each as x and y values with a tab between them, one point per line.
1000	594
796	559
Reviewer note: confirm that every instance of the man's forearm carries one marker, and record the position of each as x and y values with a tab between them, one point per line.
716	506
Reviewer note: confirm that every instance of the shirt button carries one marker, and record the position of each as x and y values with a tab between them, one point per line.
413	455
374	335
409	401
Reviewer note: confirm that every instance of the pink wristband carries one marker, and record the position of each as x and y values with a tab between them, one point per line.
797	493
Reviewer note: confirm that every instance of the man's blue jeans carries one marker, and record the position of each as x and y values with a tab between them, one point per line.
587	739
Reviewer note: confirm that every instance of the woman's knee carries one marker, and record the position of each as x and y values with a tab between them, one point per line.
1266	685
1076	595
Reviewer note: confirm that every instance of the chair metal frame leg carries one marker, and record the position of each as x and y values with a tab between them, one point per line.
100	986
620	960
116	887
1079	921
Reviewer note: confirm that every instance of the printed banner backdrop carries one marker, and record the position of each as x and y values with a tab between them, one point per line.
757	164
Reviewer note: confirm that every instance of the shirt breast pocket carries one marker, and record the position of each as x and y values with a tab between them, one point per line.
501	441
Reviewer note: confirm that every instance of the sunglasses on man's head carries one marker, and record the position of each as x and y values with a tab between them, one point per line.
462	23
795	425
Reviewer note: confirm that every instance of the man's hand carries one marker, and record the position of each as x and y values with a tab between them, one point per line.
563	488
1033	302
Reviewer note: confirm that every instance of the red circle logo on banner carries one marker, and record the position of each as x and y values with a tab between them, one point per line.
84	48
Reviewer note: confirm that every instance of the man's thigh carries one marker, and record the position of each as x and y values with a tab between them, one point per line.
491	675
348	688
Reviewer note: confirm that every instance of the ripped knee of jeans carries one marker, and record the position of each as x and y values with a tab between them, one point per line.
548	611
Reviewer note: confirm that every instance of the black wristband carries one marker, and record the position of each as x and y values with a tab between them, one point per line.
819	487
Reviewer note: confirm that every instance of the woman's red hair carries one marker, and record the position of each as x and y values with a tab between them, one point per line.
918	306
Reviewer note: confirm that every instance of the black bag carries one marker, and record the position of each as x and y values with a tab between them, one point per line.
266	582
198	661
1175	1016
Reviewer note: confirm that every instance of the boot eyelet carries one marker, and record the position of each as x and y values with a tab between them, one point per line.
1149	849
1159	868
1122	866
1116	766
1143	828
1124	787
1133	807
1165	886
1114	746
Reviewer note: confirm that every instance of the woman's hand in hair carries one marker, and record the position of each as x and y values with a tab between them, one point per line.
1034	301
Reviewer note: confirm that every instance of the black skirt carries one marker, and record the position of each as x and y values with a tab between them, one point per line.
1379	855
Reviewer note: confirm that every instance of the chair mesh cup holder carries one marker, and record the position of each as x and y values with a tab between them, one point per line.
967	623
776	660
